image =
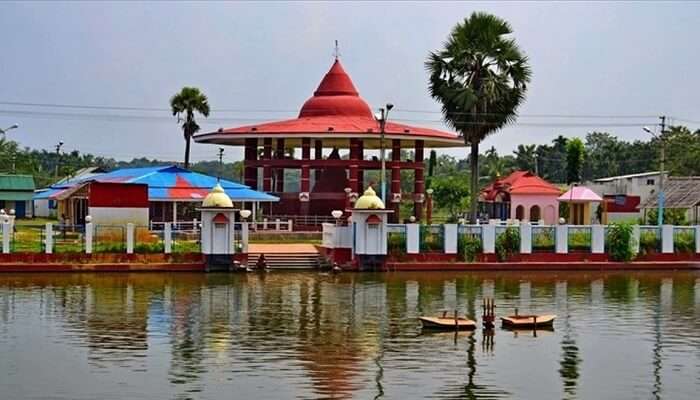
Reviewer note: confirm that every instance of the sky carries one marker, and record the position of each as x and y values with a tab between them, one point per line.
614	66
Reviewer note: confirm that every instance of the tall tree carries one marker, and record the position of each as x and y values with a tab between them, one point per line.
480	77
575	153
188	101
525	157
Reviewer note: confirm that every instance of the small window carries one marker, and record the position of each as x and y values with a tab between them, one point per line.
650	182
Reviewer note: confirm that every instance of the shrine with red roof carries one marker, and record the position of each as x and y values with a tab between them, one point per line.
335	118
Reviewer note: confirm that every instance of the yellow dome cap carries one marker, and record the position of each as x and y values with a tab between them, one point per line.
369	201
217	198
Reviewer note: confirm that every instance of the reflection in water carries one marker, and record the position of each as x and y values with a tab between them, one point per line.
308	335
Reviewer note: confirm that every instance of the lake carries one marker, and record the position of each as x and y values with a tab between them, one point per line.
311	335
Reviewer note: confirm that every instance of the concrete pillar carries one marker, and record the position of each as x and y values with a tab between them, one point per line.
305	185
450	232
488	238
318	155
250	172
697	238
412	238
48	238
6	233
279	172
277	224
636	234
244	237
168	238
419	181
597	239
360	172
89	234
667	238
525	238
289	225
129	238
267	169
562	241
395	187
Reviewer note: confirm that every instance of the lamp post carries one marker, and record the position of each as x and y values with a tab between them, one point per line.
4	131
58	158
429	206
662	160
337	214
381	117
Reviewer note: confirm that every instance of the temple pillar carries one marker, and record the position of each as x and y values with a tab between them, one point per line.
396	180
354	150
250	172
318	155
279	172
419	182
304	196
361	172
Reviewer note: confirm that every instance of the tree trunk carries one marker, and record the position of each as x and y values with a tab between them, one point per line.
187	150
474	165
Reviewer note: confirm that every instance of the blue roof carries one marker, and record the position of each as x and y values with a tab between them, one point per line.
167	183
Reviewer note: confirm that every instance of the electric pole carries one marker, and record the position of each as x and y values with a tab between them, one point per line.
58	159
221	161
662	161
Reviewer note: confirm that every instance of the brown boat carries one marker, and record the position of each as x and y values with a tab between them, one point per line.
447	323
518	321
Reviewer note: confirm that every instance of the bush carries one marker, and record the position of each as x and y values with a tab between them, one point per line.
507	243
649	242
396	243
469	247
543	239
672	216
684	242
579	240
141	248
620	242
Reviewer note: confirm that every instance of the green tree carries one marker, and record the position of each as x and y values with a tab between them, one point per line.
480	78
575	153
432	162
525	157
188	101
451	193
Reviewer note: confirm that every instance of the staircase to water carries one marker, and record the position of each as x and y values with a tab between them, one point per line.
305	260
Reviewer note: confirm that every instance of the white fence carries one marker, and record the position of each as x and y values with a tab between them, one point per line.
560	239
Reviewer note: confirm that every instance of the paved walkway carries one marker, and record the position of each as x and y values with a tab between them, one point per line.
287	248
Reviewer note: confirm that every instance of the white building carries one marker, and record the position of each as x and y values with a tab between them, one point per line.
643	185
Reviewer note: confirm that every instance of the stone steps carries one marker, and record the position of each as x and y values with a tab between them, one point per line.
287	260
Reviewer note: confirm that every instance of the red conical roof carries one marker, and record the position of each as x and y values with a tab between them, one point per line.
336	96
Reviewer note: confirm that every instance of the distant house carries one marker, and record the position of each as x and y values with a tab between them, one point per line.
680	193
46	208
643	184
174	193
16	193
522	196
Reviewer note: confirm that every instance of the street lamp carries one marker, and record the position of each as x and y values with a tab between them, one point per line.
58	158
381	117
4	131
661	198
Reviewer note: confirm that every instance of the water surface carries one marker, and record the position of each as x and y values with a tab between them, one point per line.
311	335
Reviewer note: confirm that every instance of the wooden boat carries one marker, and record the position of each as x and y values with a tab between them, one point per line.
519	321
447	323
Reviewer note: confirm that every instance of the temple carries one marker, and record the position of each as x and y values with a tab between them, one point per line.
334	119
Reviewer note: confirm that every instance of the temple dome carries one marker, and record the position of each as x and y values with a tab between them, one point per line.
217	198
336	96
369	201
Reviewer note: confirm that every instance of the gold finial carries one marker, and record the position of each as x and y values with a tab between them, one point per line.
336	50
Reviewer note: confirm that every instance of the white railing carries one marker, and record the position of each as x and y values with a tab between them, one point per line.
337	236
276	225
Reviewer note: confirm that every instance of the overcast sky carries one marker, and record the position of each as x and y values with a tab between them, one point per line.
262	60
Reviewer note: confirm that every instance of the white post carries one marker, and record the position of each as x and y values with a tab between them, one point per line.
175	212
264	224
412	238
244	237
667	238
168	238
488	238
525	238
6	237
277	224
289	225
597	239
562	233
49	238
697	238
636	235
88	237
450	231
130	238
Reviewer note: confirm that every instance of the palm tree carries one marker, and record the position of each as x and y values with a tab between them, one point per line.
187	101
480	77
